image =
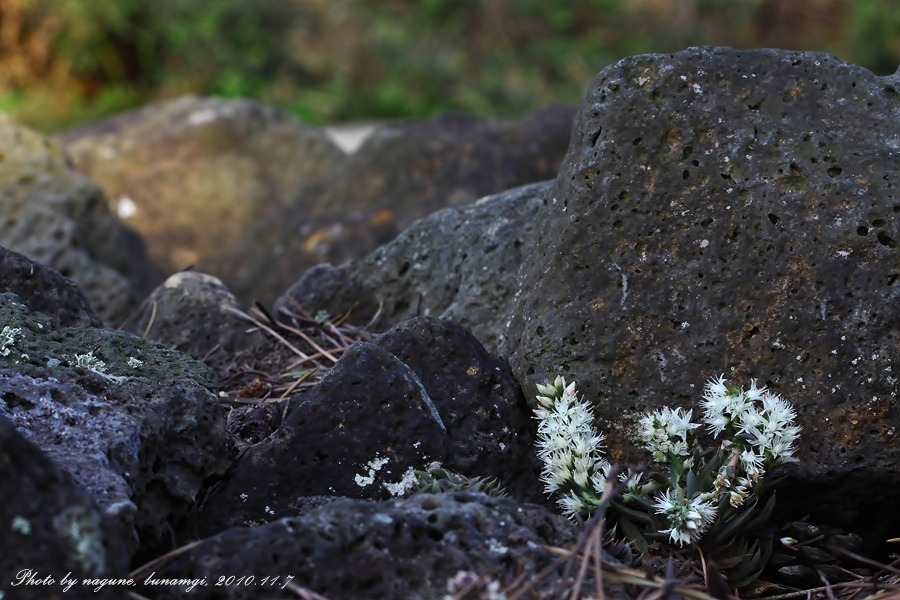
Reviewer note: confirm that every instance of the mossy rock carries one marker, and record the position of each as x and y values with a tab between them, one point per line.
29	340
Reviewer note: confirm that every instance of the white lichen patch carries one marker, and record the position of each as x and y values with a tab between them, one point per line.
89	361
8	339
402	487
372	468
21	525
134	363
496	547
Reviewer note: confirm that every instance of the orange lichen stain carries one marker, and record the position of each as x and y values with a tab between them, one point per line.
472	371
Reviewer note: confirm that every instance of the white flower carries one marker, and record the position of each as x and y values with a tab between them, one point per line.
689	519
752	464
572	504
717	423
754	393
771	429
716	387
665	432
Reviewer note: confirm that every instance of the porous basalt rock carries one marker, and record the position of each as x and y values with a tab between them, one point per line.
459	263
129	421
424	391
395	549
45	290
51	527
736	212
402	172
55	215
219	162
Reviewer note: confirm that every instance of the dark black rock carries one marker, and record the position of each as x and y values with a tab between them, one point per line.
51	528
424	391
45	290
395	549
735	212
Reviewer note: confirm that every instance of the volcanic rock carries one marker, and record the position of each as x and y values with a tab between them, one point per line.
192	174
730	212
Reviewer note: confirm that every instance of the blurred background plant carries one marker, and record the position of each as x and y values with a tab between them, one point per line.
66	61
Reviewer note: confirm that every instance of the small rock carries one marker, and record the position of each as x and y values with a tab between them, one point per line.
426	391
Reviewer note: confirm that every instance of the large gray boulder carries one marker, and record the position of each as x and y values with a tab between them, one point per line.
192	174
735	212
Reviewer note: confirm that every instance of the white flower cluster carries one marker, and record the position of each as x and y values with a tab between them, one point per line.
569	447
762	418
760	431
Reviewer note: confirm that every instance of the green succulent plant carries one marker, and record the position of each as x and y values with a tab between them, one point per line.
440	480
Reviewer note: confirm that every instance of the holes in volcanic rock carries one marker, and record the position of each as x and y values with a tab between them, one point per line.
834	171
862	230
886	240
774	218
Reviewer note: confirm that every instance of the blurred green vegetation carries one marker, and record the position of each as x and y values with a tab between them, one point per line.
67	61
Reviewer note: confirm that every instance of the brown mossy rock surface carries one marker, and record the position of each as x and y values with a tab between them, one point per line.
199	171
55	215
50	526
735	212
401	173
45	290
459	263
424	391
406	548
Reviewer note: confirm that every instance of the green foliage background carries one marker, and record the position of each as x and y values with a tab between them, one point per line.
66	61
